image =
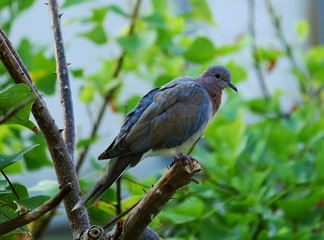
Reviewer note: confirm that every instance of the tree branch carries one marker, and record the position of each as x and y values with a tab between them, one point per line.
110	93
34	214
62	76
133	226
255	55
63	162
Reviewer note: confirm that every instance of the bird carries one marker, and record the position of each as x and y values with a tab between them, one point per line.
165	122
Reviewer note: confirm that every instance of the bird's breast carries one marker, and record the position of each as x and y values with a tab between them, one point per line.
171	152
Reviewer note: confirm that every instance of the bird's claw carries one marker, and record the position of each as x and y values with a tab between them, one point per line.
181	156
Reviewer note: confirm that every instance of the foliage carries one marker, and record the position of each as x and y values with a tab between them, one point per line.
261	178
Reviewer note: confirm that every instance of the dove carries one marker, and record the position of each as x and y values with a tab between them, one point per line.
165	122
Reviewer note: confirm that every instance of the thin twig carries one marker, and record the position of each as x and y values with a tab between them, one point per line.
135	182
193	146
9	114
34	214
109	94
287	48
62	73
63	164
120	215
10	184
279	32
118	196
255	55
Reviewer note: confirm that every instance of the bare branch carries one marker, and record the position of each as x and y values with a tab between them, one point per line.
255	55
63	81
14	110
63	162
111	92
118	196
34	214
10	184
133	226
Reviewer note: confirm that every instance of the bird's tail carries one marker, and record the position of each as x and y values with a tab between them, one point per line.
116	167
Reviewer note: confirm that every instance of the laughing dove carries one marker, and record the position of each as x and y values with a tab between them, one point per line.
165	122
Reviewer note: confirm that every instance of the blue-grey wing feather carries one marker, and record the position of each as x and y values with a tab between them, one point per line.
119	147
178	111
164	118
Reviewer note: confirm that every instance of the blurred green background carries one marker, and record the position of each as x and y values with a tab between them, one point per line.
263	153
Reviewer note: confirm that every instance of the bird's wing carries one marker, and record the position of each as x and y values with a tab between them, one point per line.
119	147
164	118
178	110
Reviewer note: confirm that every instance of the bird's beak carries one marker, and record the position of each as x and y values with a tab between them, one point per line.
231	85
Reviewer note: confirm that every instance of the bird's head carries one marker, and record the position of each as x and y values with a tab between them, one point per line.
218	77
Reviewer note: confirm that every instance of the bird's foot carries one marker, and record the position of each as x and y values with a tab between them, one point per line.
181	156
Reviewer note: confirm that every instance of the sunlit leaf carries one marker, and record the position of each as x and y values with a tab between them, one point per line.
49	187
6	160
201	10
137	42
302	28
69	3
96	34
37	157
33	202
40	67
11	98
201	50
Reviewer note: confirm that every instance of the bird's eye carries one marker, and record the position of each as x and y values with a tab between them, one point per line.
217	75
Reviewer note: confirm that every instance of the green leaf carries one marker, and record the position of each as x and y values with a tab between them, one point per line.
86	142
227	49
33	202
8	198
8	206
3	185
131	102
190	210
40	67
37	157
155	20
201	50
268	54
96	34
77	73
117	10
238	73
69	3
314	60
302	28
6	160
161	80
49	187
22	5
299	203
160	6
137	42
11	98
86	93
201	11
